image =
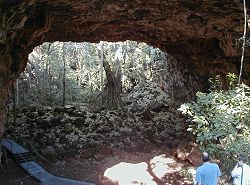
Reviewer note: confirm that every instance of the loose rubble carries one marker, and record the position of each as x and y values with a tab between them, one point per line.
148	120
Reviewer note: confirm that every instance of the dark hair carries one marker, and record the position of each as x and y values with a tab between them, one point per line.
205	157
242	158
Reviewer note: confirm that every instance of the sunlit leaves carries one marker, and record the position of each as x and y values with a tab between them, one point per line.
220	120
42	81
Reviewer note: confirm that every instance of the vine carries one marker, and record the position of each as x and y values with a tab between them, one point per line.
244	41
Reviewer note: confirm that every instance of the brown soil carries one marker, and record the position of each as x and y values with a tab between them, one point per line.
92	169
11	174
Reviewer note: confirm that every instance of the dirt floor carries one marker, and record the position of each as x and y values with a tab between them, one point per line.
92	169
11	174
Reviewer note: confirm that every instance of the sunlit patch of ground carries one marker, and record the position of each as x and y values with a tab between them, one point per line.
158	170
169	171
127	173
154	167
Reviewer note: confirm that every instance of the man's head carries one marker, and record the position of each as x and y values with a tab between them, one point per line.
241	160
205	157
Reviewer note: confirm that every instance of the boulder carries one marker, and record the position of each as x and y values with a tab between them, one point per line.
194	157
183	150
43	123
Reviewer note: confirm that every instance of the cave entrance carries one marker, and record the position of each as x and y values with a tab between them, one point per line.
64	112
60	73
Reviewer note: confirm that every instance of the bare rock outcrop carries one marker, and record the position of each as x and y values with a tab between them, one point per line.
87	131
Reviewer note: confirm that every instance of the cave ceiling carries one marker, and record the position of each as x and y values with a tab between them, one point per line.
190	29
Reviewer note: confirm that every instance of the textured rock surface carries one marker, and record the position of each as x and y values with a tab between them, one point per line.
200	33
184	27
79	129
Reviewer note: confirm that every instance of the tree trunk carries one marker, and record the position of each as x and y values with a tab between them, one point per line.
17	92
4	95
113	86
152	61
124	57
101	56
4	98
14	102
50	89
64	75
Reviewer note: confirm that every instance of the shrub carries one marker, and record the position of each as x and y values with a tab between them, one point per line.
220	120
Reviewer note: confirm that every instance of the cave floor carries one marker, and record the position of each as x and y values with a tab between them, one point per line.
92	169
11	174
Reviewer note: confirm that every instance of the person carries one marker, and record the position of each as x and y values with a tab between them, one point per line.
208	173
241	172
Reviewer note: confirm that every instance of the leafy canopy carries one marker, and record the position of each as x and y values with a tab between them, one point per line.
220	119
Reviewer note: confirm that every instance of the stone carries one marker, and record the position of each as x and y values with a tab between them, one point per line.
59	109
87	153
24	109
50	141
147	115
69	107
49	153
43	123
135	107
78	121
103	152
32	115
183	150
155	106
194	157
33	109
41	112
55	121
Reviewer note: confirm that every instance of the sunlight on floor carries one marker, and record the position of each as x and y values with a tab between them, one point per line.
161	166
127	173
165	170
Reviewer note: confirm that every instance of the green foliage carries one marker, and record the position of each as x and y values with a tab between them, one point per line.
215	83
42	81
232	79
220	120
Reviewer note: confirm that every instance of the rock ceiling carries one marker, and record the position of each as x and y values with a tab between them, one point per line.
187	28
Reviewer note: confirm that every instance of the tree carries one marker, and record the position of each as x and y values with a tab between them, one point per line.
64	75
113	85
101	56
244	41
45	83
14	95
220	120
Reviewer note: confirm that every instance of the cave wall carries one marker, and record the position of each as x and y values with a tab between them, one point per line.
203	34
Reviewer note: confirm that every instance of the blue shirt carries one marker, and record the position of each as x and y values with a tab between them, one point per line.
208	173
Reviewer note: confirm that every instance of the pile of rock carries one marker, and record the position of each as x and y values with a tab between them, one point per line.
149	117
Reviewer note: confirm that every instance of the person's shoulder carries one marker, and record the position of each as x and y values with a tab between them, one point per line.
204	165
200	167
215	164
248	166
